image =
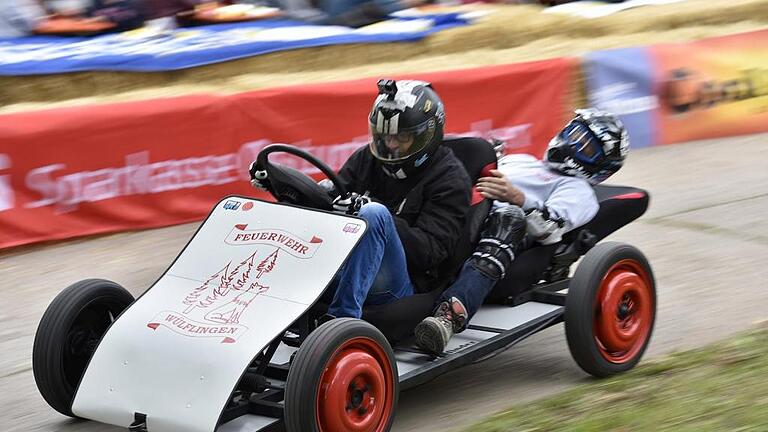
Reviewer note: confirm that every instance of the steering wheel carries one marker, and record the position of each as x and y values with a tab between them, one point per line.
292	186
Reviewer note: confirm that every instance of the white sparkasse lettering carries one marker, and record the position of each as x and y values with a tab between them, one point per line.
139	176
516	136
39	180
7	197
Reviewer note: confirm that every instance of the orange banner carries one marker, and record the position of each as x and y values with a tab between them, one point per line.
88	170
713	87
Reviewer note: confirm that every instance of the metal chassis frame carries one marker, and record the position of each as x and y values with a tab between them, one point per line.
269	402
545	293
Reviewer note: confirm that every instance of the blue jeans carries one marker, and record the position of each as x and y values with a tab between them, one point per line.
376	272
471	288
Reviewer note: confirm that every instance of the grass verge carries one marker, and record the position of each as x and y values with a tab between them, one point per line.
722	387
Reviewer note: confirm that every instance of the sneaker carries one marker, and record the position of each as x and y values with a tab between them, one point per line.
433	333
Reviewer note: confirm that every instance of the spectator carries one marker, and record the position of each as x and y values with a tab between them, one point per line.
126	14
350	13
154	9
304	10
357	13
19	18
66	7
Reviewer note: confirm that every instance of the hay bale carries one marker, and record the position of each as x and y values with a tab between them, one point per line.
509	34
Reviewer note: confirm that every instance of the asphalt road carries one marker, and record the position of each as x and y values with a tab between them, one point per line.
705	234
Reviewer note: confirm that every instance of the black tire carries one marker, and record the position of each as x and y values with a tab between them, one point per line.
343	341
67	336
616	277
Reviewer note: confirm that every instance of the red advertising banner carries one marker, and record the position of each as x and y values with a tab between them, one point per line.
97	169
713	87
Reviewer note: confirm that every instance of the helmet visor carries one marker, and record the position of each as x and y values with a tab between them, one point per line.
586	146
394	147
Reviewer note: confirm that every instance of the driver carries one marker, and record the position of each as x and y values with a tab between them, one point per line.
414	195
536	203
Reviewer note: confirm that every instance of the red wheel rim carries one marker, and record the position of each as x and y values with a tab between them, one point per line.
623	311
356	389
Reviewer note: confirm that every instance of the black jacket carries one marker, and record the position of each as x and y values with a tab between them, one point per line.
429	209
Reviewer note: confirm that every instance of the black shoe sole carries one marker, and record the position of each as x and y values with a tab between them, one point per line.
427	337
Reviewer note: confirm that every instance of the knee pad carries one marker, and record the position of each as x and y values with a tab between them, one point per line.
502	234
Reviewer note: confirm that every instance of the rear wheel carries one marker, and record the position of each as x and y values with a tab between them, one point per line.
343	378
67	336
610	309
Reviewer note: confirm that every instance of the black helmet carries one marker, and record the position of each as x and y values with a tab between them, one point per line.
592	146
407	123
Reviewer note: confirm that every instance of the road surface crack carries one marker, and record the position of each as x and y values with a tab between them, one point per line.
709	229
709	206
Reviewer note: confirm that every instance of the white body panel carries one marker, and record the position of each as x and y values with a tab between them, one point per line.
177	352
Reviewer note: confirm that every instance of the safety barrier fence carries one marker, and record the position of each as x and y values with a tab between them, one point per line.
672	93
97	169
79	171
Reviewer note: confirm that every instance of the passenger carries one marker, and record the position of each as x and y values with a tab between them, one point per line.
20	18
125	14
413	193
154	9
535	202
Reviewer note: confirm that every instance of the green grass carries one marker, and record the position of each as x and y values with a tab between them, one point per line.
723	387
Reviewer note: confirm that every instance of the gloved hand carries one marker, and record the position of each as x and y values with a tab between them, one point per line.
328	187
258	177
350	203
545	229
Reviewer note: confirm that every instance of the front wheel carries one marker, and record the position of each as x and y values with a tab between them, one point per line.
610	309
343	378
67	336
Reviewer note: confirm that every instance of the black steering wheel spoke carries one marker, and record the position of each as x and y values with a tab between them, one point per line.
290	185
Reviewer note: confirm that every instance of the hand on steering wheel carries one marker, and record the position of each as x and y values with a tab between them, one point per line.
258	177
290	185
350	203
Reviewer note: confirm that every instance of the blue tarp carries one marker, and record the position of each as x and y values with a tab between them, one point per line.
141	51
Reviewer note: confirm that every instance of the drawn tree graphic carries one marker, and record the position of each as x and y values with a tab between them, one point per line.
194	298
239	275
209	292
267	264
230	313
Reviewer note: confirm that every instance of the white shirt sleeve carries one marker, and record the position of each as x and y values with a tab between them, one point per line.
20	18
573	201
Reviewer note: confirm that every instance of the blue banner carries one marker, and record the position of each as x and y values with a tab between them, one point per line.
143	51
620	81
